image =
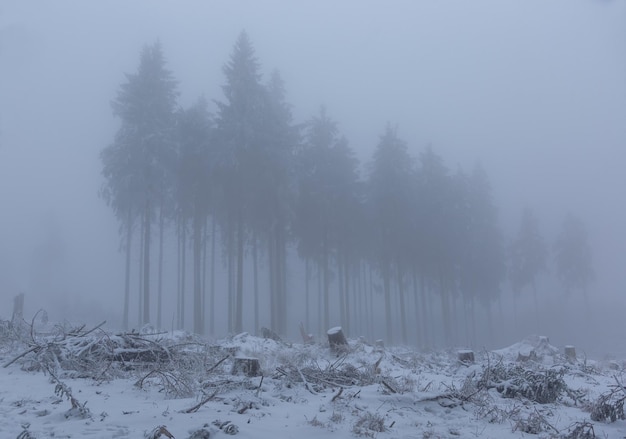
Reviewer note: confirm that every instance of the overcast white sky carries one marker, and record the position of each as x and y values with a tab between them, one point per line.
535	90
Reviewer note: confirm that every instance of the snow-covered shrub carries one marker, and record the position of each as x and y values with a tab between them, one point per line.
581	430
609	407
369	424
512	381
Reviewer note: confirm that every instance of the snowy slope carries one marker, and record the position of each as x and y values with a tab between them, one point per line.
305	391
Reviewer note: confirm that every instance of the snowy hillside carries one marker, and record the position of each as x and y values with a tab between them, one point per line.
85	382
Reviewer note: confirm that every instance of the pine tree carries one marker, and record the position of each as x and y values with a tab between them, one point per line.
139	160
528	256
390	189
573	255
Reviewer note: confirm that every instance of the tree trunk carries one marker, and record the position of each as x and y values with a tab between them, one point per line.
142	237
239	298
198	324
146	266
400	277
326	286
212	299
129	236
160	275
307	280
183	274
387	292
255	274
205	240
341	274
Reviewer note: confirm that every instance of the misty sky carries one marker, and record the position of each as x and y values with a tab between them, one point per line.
534	90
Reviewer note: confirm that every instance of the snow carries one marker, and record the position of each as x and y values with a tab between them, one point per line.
384	393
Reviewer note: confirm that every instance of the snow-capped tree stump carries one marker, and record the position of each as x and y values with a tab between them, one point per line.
380	344
336	339
246	365
466	356
570	353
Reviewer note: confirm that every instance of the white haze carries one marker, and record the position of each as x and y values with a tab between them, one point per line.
533	90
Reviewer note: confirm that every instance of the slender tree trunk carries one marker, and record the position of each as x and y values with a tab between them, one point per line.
255	275
146	266
205	244
320	293
341	289
326	288
179	255
160	275
346	289
142	237
400	277
212	299
231	270
416	311
183	274
129	236
307	280
239	298
387	292
198	324
371	299
425	312
282	310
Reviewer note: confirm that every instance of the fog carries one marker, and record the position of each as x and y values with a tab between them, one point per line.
534	91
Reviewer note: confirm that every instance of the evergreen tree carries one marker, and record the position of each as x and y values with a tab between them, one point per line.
573	255
390	190
196	189
327	200
239	122
139	160
528	256
481	263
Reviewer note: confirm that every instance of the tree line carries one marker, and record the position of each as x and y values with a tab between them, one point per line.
265	196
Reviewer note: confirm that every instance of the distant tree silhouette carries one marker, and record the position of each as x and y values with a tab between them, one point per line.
573	256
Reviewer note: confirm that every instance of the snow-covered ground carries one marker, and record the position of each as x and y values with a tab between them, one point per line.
304	391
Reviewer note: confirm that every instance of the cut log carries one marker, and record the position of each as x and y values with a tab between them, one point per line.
466	356
570	353
336	339
248	366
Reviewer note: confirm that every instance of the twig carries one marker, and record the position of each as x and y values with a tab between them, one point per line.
23	354
258	389
306	384
200	404
337	395
92	329
218	363
391	389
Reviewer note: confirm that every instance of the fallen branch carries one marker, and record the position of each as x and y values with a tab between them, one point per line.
391	389
196	407
218	363
337	395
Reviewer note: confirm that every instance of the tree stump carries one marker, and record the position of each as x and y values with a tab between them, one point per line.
336	339
570	353
248	366
380	344
466	356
